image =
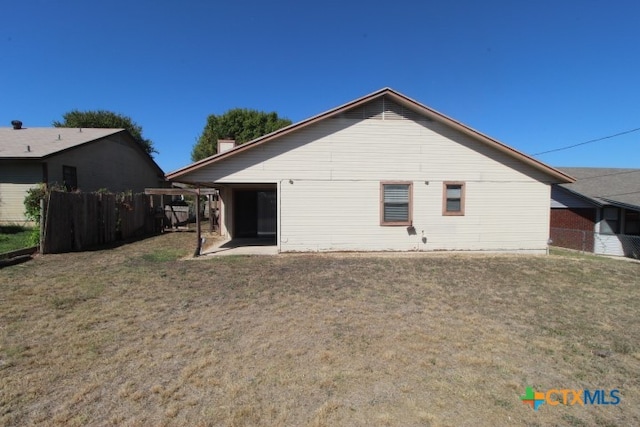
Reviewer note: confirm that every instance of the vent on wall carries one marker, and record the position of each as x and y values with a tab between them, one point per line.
382	108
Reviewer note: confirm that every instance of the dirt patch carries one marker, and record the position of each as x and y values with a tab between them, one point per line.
135	336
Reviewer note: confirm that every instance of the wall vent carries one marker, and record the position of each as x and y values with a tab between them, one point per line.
382	108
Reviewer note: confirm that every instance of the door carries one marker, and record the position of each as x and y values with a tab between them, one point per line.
254	213
245	218
267	223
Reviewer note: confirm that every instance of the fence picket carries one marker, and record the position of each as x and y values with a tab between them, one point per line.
77	221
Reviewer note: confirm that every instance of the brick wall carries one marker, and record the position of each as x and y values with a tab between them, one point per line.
575	218
573	228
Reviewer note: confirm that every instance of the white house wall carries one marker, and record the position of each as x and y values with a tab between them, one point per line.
336	167
368	149
345	215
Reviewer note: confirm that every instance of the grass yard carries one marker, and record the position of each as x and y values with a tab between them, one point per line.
135	336
14	237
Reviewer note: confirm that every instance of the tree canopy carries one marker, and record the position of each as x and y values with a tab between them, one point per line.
105	119
240	124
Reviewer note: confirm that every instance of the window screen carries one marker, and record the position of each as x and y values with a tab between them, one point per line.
396	203
453	198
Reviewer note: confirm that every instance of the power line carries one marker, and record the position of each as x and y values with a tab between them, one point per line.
587	142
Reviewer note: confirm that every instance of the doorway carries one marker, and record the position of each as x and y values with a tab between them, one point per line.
254	213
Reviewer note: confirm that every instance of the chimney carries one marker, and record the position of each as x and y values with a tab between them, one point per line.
17	124
225	145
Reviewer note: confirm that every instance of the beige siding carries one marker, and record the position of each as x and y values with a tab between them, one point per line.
15	180
345	215
113	164
336	167
369	149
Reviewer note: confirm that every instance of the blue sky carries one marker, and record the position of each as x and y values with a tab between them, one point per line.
534	75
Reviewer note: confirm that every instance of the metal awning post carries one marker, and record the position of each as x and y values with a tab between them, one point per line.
210	210
198	225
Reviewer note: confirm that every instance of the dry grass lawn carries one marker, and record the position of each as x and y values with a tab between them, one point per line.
136	336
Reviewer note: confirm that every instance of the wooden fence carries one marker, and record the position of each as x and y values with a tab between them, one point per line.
78	221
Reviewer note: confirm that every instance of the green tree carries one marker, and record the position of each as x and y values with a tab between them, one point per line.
240	124
105	119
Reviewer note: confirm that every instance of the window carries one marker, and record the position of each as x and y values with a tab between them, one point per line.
632	222
70	177
453	198
610	221
395	203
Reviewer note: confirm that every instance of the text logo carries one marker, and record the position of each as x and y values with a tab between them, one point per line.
533	398
580	397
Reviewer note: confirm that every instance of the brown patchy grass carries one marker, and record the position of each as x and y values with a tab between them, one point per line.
135	336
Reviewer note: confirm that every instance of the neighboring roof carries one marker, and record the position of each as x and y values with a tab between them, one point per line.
606	186
40	143
36	143
398	98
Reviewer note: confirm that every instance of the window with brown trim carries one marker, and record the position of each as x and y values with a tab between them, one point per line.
453	198
396	203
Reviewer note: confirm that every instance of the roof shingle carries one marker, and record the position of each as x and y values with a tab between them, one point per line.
35	143
605	185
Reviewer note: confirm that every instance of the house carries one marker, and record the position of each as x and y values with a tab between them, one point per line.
599	212
86	159
380	173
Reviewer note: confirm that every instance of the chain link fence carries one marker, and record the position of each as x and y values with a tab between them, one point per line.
598	243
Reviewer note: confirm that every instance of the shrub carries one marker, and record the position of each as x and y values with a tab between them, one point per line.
32	202
33	197
32	208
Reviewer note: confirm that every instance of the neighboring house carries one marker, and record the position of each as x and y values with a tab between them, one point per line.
85	159
599	212
382	172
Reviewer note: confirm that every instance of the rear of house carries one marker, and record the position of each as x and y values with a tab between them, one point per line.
381	173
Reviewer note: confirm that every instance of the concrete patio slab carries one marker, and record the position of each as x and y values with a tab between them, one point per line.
242	246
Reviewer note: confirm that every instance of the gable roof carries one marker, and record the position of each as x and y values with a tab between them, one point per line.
606	186
35	143
404	101
40	143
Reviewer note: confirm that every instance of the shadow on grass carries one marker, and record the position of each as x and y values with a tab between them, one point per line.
119	243
12	229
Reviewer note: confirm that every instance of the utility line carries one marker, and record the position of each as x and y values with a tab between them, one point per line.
587	142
